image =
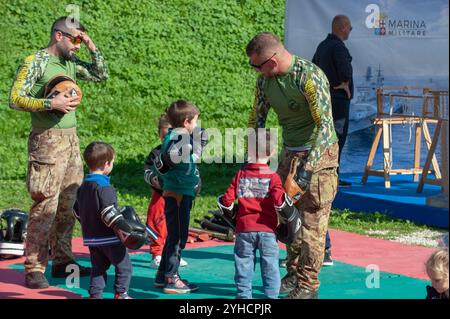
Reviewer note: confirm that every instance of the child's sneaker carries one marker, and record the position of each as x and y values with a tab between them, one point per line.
122	296
155	262
193	287
327	260
175	285
159	280
183	263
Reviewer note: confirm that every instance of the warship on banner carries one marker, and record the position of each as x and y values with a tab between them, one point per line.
364	107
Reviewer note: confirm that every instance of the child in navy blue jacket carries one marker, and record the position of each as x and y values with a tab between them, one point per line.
105	248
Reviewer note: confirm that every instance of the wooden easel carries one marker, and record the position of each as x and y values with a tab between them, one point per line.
383	121
440	99
441	200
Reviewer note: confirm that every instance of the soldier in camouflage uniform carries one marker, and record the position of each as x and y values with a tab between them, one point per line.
298	92
55	169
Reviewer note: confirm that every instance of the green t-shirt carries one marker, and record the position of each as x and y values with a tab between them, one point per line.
53	119
294	114
32	75
302	102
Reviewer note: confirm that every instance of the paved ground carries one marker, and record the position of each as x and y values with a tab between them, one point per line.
401	272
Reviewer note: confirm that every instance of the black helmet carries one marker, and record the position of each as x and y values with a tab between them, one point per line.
13	232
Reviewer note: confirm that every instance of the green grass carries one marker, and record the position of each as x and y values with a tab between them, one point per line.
157	51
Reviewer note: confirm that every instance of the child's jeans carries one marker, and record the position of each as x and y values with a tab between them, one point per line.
177	211
102	257
245	260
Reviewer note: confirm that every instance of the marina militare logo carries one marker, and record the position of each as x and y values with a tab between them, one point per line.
385	26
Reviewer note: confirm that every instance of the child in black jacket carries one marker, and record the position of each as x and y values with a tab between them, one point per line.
105	247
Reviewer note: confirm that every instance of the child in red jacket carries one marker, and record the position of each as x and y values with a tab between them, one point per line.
156	219
259	192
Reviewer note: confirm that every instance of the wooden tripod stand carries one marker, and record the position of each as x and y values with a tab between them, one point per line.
383	122
440	109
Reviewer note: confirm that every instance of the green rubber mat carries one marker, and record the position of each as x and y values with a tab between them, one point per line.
212	269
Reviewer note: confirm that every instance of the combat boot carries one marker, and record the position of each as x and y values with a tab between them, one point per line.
288	283
36	280
302	293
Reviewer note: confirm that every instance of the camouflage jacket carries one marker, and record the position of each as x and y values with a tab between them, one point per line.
33	68
313	85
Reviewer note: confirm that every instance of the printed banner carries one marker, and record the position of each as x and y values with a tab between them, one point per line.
393	43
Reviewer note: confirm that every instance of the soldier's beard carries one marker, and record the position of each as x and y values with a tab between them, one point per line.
66	54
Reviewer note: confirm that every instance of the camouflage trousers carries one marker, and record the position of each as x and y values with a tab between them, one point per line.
55	171
305	255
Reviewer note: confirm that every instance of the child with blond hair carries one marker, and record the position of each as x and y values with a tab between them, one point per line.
437	270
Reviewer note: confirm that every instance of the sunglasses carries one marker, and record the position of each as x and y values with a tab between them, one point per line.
259	66
73	40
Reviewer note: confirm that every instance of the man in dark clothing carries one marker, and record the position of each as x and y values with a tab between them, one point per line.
334	59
